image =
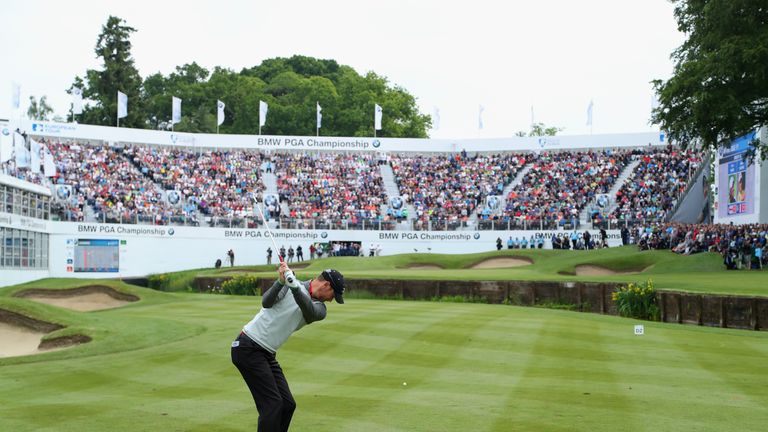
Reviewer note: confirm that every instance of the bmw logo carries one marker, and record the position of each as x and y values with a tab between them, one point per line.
477	236
6	132
170	231
174	137
376	143
324	234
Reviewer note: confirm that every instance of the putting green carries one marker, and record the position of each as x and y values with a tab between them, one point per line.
162	364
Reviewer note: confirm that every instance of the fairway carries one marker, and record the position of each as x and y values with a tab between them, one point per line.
468	367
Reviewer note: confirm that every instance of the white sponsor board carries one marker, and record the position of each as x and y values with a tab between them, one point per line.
9	220
147	249
309	143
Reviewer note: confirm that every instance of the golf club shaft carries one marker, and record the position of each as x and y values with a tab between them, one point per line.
289	274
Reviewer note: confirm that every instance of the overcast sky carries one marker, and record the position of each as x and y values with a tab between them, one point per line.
554	55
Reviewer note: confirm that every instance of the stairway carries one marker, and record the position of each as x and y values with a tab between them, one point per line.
625	174
505	193
391	190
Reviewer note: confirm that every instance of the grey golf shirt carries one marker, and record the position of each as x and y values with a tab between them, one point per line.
284	310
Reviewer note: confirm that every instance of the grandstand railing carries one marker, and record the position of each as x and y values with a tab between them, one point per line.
337	224
515	224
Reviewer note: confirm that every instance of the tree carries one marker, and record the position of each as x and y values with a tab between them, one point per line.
540	129
719	88
118	73
39	110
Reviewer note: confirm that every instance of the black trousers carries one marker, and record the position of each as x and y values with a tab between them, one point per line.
266	382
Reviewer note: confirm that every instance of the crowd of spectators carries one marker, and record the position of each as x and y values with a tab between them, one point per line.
330	188
449	189
101	178
219	184
559	185
742	246
656	184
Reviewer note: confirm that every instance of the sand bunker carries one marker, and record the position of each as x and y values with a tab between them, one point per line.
594	270
502	263
423	267
21	335
83	299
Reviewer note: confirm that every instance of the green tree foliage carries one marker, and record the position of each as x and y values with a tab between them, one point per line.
291	86
540	129
39	110
719	89
118	73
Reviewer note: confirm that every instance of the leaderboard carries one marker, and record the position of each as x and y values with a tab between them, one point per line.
97	256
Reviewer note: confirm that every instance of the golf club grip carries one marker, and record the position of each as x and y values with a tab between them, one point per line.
289	277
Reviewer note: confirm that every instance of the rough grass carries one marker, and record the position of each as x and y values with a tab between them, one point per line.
163	365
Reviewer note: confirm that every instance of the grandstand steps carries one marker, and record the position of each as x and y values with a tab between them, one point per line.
392	191
390	185
270	181
625	174
89	214
507	189
693	204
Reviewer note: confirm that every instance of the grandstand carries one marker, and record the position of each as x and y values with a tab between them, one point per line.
441	195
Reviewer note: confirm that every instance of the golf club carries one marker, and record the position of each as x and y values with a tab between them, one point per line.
289	277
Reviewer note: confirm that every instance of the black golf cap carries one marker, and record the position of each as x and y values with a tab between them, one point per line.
337	283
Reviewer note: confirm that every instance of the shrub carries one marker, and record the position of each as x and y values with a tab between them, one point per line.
637	301
158	281
240	285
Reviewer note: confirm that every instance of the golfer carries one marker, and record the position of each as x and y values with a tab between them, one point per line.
285	309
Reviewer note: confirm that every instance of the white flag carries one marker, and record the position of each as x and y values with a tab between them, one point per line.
6	147
532	117
219	112
480	116
263	108
436	118
589	113
15	95
122	105
319	115
20	148
35	156
176	110
49	166
77	100
377	117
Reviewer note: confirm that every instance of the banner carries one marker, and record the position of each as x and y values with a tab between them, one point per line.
77	101
173	197
480	110
49	166
6	145
377	117
62	192
219	112
35	159
263	108
589	113
122	105
20	149
15	95
319	115
436	118
176	114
